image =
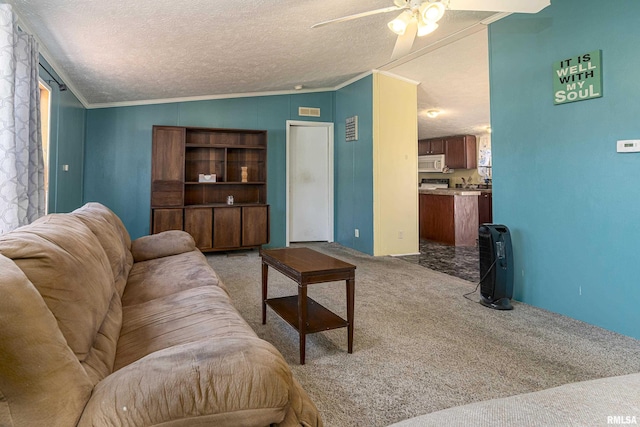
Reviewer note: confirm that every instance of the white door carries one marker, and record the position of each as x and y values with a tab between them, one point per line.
310	184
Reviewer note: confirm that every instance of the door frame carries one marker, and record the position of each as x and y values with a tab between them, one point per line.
330	172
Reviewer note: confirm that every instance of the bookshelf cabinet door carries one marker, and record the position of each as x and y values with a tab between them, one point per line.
166	219
226	227
255	225
167	166
199	223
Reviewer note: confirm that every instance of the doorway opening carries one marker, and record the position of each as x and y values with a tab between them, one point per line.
309	181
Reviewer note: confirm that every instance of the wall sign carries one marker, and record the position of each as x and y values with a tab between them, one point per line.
577	78
351	129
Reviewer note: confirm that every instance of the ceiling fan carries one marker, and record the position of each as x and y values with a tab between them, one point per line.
420	17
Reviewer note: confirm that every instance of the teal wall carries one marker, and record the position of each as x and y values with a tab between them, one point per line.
354	167
66	144
118	148
572	203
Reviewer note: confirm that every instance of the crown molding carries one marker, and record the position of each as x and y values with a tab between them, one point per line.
397	77
203	98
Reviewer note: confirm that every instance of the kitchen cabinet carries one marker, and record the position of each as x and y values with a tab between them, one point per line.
448	218
194	171
460	152
485	207
431	146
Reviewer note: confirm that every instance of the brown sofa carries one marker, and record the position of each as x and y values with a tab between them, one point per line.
96	330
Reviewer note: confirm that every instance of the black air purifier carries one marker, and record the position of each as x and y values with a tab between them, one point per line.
496	266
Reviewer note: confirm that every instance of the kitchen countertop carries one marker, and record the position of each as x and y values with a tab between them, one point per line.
452	192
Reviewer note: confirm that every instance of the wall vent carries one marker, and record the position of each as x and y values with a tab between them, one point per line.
308	111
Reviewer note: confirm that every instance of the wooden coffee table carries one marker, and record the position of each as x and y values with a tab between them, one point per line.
306	266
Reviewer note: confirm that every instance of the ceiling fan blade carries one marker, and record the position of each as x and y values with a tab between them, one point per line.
359	15
512	6
405	41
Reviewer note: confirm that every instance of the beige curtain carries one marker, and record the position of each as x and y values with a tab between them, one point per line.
22	198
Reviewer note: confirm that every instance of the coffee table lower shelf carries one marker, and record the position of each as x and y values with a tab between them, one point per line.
319	318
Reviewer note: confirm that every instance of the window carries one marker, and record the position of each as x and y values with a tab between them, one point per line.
45	115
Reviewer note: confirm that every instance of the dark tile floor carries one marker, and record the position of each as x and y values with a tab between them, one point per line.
462	262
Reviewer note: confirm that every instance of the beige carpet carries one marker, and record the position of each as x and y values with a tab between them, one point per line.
419	345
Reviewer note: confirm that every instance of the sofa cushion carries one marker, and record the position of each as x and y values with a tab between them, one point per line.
41	380
148	279
230	381
66	263
101	357
113	238
179	318
167	243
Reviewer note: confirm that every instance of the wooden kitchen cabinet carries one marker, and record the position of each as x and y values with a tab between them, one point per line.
449	219
436	218
460	152
485	207
237	158
431	146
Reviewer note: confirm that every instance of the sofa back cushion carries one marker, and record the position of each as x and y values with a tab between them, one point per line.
41	380
113	237
66	263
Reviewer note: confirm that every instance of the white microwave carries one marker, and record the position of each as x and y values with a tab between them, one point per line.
431	163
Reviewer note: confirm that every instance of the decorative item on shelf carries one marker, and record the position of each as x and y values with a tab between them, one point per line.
244	174
467	183
229	200
203	177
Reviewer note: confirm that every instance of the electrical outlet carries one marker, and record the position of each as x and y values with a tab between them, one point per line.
357	232
400	235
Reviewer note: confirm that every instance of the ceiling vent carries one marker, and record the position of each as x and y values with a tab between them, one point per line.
308	111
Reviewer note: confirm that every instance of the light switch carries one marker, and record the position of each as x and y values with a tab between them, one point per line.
65	168
628	146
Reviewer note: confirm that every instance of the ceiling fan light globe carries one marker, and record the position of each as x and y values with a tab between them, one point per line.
399	25
426	28
431	11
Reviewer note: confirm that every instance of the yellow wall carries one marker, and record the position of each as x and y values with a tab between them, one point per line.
395	169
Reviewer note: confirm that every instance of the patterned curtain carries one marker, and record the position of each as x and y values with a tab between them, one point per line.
22	198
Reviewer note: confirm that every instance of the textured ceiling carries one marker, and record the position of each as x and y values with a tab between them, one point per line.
455	80
123	51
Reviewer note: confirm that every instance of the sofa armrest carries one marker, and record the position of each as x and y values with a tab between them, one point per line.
228	381
163	244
